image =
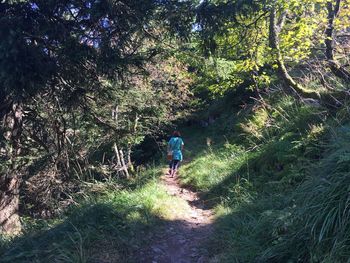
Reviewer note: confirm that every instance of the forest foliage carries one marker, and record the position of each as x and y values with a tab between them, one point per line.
89	90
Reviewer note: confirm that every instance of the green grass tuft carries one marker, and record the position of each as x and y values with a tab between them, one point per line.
277	181
110	225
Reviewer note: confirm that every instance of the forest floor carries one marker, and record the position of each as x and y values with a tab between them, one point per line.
181	240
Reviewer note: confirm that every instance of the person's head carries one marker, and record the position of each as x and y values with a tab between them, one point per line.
176	134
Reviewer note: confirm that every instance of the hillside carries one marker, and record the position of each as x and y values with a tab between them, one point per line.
265	172
96	97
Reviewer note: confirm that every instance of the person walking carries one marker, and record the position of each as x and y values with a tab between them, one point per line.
175	148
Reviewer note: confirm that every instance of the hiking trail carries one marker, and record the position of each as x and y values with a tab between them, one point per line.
182	239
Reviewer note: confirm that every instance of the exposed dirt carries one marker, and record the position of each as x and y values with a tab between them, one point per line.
181	240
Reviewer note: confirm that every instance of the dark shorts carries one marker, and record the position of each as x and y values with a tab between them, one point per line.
174	164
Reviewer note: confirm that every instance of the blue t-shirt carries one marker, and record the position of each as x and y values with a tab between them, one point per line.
175	144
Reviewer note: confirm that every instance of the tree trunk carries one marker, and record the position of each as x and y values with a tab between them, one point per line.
9	203
130	165
332	13
124	166
11	179
117	156
337	69
282	71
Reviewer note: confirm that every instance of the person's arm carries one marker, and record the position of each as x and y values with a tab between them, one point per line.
169	146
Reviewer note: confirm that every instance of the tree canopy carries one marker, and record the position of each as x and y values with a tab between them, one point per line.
89	90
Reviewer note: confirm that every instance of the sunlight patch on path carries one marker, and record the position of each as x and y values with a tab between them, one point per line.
181	240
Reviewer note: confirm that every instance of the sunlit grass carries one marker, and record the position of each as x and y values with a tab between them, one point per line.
277	183
250	175
111	222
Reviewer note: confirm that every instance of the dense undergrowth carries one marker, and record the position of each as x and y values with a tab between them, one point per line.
277	174
88	90
108	224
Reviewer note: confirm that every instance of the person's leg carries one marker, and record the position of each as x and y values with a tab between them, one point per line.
170	167
175	167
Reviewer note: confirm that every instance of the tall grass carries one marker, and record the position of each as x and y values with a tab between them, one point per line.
108	226
321	218
266	185
212	166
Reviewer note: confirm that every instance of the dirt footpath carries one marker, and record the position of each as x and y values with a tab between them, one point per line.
182	239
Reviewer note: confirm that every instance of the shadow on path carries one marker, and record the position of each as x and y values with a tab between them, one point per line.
181	240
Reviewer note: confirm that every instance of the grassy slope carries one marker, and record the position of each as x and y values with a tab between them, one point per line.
109	225
255	168
251	167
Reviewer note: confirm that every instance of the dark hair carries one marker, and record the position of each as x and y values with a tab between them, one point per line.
176	134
